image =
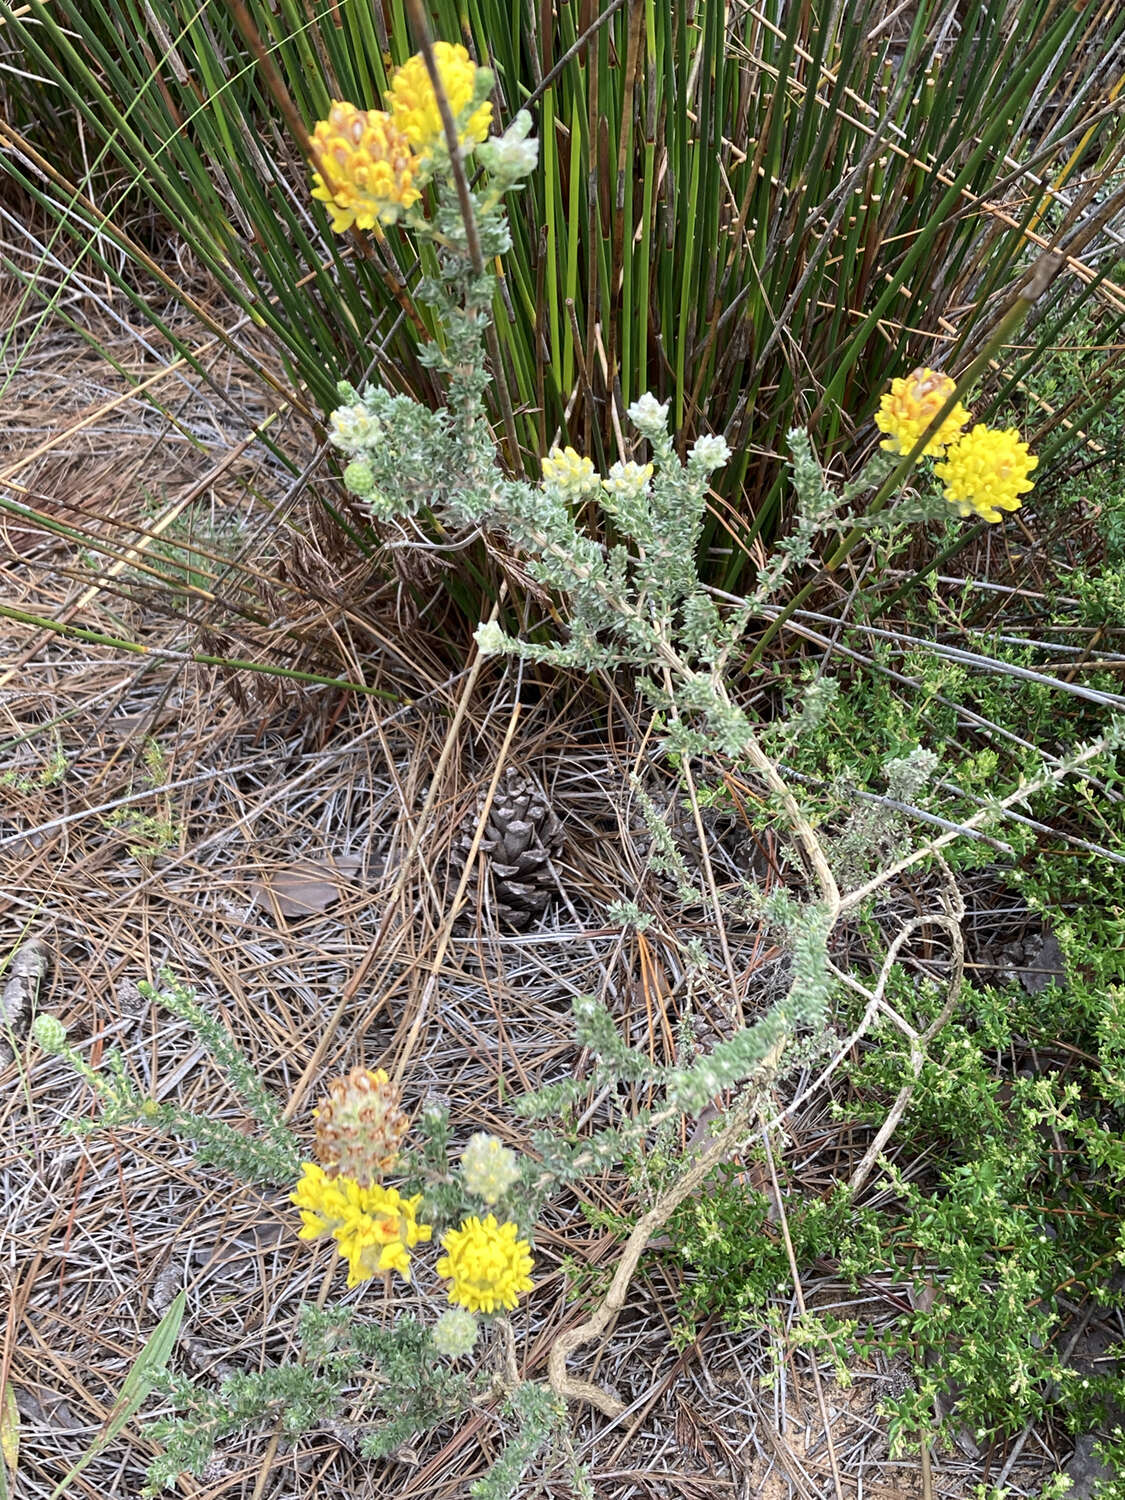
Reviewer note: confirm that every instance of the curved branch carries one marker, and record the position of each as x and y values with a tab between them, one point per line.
569	1386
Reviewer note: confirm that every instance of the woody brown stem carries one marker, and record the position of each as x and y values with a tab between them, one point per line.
572	1388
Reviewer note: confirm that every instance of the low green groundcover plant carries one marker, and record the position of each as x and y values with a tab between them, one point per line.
1011	1227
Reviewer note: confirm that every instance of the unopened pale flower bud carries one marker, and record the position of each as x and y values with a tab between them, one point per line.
455	1333
709	452
511	156
50	1033
353	428
627	480
488	1168
649	416
490	638
568	471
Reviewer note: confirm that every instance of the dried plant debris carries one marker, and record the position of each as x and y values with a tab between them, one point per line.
306	886
17	999
1006	942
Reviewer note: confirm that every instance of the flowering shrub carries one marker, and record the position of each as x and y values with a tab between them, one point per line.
636	602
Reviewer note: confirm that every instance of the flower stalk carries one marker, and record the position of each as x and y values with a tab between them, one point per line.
421	25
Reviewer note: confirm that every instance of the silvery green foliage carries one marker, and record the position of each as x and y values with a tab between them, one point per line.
397	448
821	510
627	601
878	830
403	456
664	854
390	1379
816	512
688	1087
636	602
628	914
273	1156
811	703
817	700
908	775
539	1419
804	1007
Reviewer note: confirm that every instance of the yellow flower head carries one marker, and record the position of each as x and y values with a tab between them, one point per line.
486	1265
381	1237
368	168
987	472
414	107
323	1202
909	407
375	1227
568	471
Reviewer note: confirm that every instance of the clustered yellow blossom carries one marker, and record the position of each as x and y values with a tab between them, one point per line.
909	407
987	472
375	1227
627	480
414	107
568	471
486	1265
371	164
984	472
367	169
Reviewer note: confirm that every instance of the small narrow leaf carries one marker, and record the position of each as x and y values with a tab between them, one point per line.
9	1437
139	1381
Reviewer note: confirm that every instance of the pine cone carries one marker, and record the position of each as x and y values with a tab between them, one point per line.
520	838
